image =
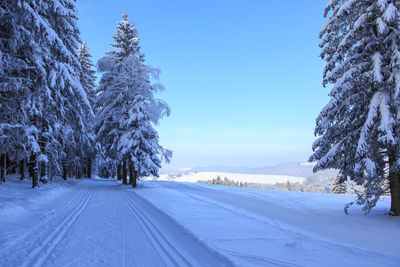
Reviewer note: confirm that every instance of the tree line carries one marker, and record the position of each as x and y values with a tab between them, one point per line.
54	119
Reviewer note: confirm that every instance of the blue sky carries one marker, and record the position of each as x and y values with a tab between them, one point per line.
243	78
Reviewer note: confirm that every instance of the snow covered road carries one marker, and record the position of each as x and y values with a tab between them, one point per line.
97	223
102	223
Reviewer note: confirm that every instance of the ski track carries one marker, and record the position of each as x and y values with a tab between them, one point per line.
41	253
45	218
158	226
35	246
105	224
160	243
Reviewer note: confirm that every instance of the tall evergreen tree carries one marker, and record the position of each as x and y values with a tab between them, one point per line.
22	75
88	82
43	100
359	127
139	144
127	106
87	73
65	103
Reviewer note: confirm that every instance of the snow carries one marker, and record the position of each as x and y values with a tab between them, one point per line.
377	62
256	227
99	222
312	164
390	13
18	199
194	177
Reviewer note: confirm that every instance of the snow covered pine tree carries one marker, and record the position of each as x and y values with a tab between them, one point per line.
337	186
88	82
40	81
64	104
127	107
21	72
359	127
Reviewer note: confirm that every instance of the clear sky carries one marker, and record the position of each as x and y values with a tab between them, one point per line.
242	77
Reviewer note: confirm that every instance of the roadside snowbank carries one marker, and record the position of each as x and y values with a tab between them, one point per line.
17	198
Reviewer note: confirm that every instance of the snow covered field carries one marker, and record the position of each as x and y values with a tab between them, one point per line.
101	223
194	177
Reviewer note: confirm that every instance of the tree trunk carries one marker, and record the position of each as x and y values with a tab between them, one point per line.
124	173
64	167
43	171
13	167
30	168
89	167
50	172
78	172
22	170
394	180
84	169
130	173
8	166
3	168
135	175
119	175
34	165
7	163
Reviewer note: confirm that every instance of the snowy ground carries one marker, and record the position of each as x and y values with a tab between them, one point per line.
98	223
101	223
280	228
194	177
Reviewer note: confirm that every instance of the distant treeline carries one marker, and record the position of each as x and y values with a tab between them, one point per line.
311	184
318	183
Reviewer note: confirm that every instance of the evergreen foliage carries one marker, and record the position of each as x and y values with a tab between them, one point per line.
358	129
127	108
88	82
337	186
44	109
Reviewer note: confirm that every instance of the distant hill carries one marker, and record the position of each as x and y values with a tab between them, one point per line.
290	169
314	182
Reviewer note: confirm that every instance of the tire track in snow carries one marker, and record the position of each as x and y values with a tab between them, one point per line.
41	253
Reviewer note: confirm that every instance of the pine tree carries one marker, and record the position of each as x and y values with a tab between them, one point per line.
337	186
288	186
88	73
22	76
44	107
127	107
88	82
139	143
65	102
358	128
